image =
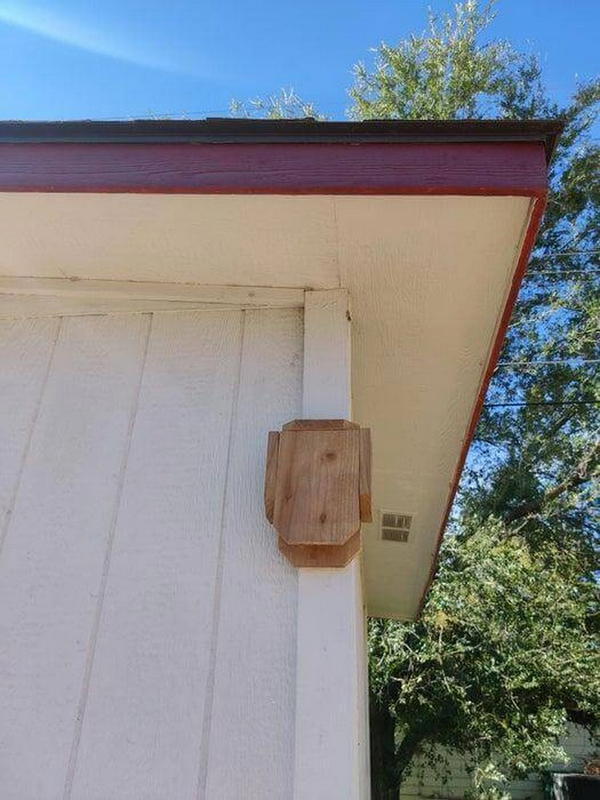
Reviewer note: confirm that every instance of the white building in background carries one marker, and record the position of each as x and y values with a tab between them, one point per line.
423	782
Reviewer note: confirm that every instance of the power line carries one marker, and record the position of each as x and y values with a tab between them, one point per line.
156	115
573	360
561	253
547	403
564	272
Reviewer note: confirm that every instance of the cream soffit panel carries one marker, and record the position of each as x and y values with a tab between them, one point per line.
232	240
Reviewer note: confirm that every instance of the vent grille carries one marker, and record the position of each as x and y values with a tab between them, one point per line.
395	527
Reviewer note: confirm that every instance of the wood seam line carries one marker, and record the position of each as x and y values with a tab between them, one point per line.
204	745
32	427
93	640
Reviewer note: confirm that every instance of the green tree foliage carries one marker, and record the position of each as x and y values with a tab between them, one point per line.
506	650
285	104
443	73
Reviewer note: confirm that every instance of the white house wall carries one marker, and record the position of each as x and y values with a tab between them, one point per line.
147	620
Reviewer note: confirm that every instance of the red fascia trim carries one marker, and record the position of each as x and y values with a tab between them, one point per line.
474	168
528	242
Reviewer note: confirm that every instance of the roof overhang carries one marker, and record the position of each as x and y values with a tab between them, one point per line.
429	226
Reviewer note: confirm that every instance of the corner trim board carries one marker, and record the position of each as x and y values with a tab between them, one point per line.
332	728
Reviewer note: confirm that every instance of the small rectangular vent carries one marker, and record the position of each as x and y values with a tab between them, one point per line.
395	527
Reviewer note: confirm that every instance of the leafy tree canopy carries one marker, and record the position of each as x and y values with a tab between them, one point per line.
285	104
503	655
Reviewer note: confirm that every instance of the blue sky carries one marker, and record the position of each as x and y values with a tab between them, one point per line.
69	59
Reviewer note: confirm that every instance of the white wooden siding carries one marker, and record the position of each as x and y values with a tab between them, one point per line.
255	642
147	620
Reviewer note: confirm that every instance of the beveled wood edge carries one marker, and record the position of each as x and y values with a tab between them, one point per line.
321	555
339	543
320	425
271	474
364	476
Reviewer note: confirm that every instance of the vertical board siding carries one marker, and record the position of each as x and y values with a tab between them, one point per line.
55	545
142	729
147	619
250	740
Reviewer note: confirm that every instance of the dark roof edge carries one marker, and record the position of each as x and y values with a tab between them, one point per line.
225	130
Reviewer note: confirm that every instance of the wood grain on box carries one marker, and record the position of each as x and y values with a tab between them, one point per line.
317	490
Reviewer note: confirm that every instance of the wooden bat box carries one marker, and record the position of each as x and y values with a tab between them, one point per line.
318	490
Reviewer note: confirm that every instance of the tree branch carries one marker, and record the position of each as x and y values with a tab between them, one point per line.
583	473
